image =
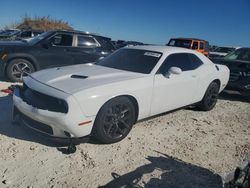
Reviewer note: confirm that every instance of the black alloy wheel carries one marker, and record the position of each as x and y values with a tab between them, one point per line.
210	98
115	120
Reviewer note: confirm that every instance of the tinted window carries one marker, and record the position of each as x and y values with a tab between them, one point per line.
180	43
62	40
224	49
134	60
85	41
195	46
201	45
195	61
181	60
242	54
26	34
105	43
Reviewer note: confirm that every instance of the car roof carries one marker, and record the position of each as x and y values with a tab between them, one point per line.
163	49
81	32
180	38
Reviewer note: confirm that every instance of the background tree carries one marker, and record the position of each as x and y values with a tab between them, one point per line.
40	23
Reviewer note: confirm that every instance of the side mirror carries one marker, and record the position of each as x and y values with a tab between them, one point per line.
175	70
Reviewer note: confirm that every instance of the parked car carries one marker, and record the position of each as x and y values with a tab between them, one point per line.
220	52
51	49
16	34
127	43
9	33
238	62
199	45
105	99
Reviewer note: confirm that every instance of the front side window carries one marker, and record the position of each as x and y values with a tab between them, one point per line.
180	60
85	41
62	40
134	60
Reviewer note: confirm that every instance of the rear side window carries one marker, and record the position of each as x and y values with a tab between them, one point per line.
201	45
62	40
195	61
195	46
86	41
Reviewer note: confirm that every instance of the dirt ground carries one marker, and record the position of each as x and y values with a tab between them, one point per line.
184	148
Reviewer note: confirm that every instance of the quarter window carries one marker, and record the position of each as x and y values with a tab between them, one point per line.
62	40
85	41
195	61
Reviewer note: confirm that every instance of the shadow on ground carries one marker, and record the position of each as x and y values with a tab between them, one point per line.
19	131
233	96
174	174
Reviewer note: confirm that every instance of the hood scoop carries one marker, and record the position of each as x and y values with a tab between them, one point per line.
78	76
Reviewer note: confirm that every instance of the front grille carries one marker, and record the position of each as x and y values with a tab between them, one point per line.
43	101
36	125
234	76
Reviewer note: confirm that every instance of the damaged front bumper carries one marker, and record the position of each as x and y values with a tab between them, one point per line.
50	123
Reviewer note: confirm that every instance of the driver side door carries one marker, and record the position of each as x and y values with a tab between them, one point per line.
172	91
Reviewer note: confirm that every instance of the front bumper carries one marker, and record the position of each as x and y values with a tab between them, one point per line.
53	124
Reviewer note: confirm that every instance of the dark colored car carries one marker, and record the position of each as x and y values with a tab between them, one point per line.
15	34
51	49
127	43
239	64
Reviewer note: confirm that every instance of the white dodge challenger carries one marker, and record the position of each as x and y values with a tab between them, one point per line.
106	98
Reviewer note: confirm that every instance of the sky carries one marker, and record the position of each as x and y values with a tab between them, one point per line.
221	22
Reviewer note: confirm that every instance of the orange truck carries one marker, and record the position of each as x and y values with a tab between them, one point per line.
199	45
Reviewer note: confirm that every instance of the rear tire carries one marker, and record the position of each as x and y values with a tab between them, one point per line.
210	98
115	120
17	68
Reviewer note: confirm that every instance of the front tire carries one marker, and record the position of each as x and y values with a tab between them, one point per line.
210	98
115	120
17	68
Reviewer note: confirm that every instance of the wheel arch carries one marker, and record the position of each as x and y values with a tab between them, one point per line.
30	59
131	98
217	81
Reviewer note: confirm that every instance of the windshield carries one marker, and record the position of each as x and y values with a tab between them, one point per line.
242	54
134	60
39	38
223	49
180	43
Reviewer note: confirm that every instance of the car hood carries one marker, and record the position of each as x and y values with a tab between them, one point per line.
71	79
